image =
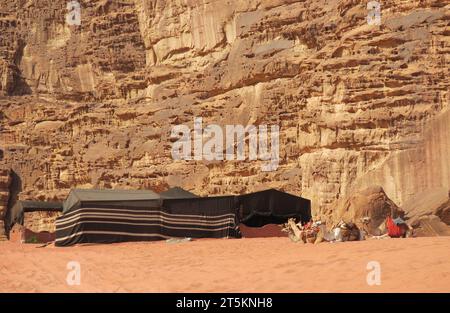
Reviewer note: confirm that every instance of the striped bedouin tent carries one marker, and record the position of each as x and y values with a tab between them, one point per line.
107	216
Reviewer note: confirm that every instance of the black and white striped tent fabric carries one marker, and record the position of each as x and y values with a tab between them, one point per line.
139	218
107	216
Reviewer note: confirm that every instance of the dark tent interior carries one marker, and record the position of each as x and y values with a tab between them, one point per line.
272	207
201	206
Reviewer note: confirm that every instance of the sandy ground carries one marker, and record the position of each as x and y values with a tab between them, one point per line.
230	265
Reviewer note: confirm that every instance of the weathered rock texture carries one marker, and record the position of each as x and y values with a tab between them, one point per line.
372	203
429	211
5	181
40	221
432	201
430	226
93	105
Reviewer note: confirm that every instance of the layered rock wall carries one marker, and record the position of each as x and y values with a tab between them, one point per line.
421	169
93	105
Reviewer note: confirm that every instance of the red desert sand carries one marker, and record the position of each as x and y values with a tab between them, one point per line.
230	265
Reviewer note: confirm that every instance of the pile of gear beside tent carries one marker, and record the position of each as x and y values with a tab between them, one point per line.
107	216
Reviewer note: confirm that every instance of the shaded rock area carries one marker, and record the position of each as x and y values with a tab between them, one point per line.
430	202
5	181
430	226
357	104
429	212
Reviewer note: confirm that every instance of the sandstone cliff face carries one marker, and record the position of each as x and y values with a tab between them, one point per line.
371	203
41	221
357	104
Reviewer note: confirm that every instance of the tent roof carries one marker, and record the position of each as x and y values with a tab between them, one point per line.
36	205
177	193
113	195
116	196
270	190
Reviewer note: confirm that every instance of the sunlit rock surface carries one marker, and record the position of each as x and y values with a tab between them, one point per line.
357	104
